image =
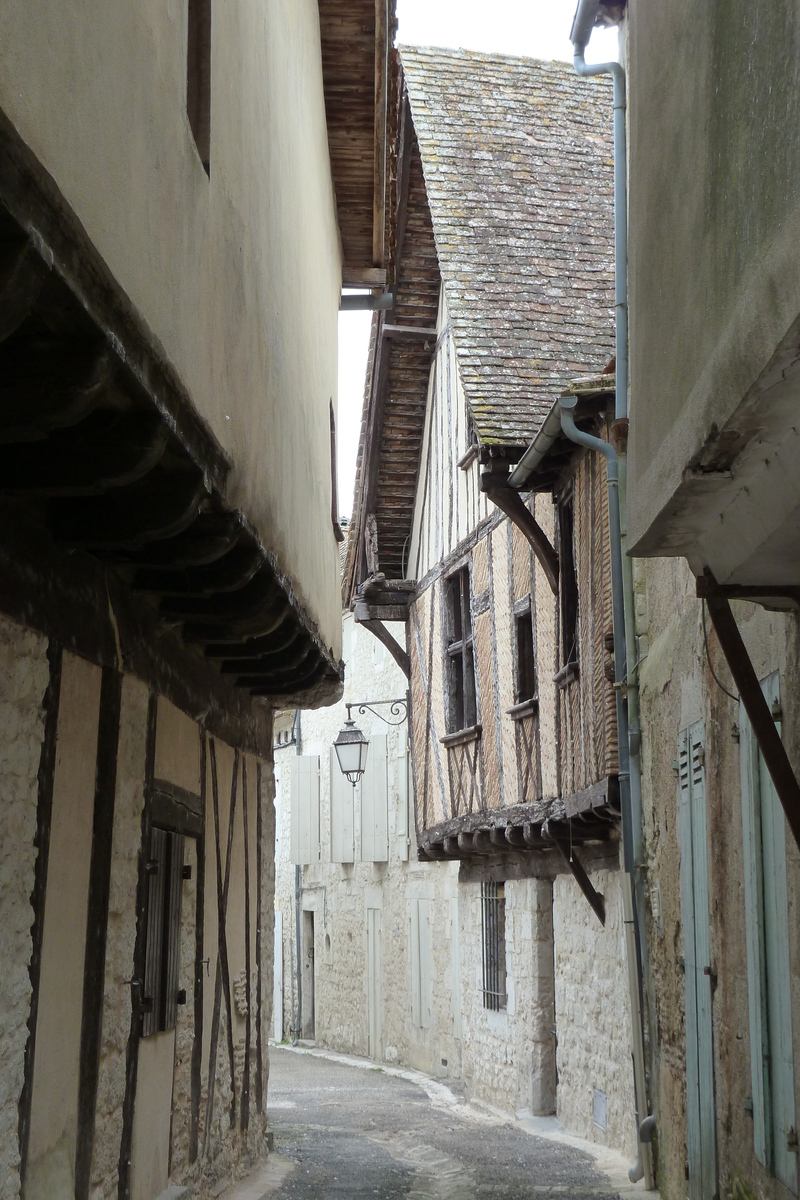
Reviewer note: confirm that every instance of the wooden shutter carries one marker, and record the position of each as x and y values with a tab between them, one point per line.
768	981
304	840
402	800
164	869
701	1134
375	803
277	978
416	997
341	790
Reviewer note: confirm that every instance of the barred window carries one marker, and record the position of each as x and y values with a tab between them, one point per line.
493	905
462	712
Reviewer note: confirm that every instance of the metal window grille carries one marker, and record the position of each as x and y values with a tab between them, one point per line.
493	906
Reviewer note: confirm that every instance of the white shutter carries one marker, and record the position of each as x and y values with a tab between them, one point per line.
305	809
277	979
402	799
425	964
375	803
342	840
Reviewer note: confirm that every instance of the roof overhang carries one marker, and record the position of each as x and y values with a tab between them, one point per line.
103	453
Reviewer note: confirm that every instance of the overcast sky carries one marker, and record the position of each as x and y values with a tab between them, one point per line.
536	28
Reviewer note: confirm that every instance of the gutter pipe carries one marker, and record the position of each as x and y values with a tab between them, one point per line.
298	899
538	450
644	1164
582	26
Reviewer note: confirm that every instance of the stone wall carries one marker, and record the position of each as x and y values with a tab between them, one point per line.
678	690
340	894
509	1056
24	675
593	1016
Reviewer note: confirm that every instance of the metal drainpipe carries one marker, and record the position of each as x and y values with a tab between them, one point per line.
644	1164
298	896
582	27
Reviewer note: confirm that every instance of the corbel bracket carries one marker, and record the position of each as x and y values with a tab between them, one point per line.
510	502
549	833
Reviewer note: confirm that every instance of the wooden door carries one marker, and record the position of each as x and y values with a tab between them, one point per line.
700	1111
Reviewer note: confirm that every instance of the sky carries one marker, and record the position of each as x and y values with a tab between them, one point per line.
535	28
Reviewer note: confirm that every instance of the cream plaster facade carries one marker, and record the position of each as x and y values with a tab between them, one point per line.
237	275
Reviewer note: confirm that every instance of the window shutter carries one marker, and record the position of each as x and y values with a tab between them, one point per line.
754	926
163	931
375	803
416	999
342	840
701	1144
402	800
425	996
769	985
305	809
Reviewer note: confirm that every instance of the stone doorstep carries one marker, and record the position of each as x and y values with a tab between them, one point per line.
176	1192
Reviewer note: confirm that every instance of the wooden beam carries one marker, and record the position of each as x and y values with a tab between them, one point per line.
510	502
410	332
381	104
379	630
363	277
769	741
371	545
403	176
576	867
379	612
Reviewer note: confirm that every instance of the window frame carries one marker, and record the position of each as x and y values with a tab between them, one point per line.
568	593
462	695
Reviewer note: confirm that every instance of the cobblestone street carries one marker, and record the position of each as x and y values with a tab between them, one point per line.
344	1132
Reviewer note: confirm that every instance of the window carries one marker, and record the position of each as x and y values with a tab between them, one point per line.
165	875
493	906
769	985
526	663
568	582
461	708
198	78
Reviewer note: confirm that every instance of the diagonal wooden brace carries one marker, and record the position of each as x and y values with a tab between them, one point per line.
756	707
576	867
510	502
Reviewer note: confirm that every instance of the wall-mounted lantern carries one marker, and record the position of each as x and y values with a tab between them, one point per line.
351	746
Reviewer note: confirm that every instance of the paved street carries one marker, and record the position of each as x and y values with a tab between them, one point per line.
347	1132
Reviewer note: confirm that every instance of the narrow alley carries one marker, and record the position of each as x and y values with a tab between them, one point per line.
348	1132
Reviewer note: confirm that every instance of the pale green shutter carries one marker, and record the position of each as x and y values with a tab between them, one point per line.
769	984
341	791
304	839
402	800
700	1119
375	803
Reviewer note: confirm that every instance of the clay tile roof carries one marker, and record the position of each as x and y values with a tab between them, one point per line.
518	163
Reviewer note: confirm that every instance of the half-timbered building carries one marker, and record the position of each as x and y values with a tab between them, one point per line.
502	263
184	188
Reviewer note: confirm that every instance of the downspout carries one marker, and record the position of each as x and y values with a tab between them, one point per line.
644	1164
582	27
298	898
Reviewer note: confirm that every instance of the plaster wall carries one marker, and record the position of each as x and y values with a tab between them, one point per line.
24	674
237	275
593	1014
340	894
509	1056
54	1105
714	252
677	690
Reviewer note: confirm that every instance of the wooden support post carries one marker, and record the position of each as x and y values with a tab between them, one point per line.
510	502
756	707
576	867
371	545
